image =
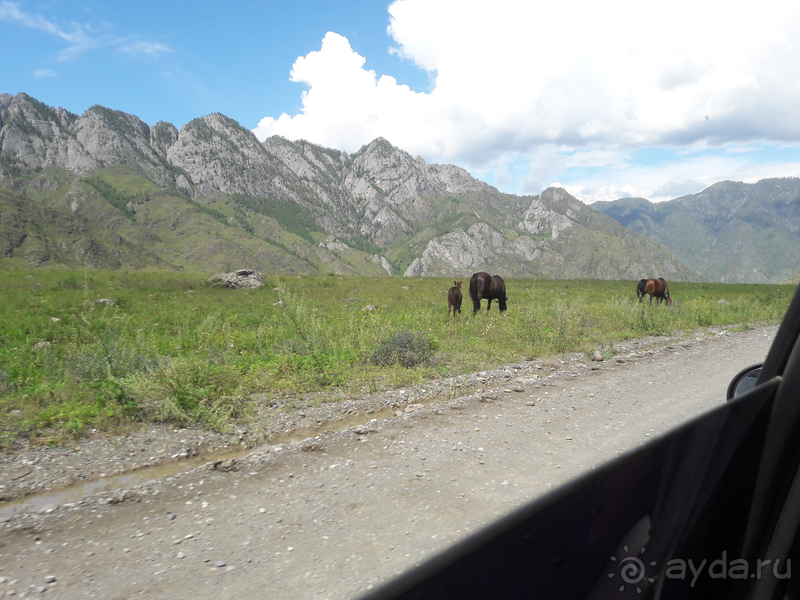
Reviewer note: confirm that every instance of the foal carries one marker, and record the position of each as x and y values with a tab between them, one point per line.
454	298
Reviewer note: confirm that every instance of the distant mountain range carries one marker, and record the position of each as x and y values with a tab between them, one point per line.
730	232
105	190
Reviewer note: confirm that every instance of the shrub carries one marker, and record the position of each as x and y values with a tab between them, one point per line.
404	348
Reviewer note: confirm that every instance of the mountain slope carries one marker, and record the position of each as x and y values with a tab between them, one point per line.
730	232
46	235
211	197
557	236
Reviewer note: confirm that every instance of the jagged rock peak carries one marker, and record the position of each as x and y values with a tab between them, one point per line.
116	137
380	145
119	121
387	162
554	210
558	196
31	108
163	136
217	123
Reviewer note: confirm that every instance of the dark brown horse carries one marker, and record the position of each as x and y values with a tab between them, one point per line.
482	285
454	297
657	288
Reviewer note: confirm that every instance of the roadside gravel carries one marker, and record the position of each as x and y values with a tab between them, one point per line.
378	484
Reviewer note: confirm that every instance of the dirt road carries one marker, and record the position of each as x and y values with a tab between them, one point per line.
335	515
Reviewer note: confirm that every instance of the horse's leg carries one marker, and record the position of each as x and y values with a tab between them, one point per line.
476	306
489	306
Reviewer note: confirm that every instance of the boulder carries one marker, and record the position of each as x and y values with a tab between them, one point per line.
243	279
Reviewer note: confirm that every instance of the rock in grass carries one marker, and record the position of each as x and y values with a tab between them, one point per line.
243	279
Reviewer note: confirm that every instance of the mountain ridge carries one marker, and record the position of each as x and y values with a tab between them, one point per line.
210	197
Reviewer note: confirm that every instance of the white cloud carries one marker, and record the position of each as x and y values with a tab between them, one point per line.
41	73
560	83
141	48
687	174
675	189
606	192
80	38
347	106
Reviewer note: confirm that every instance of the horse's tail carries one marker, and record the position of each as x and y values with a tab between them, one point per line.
473	289
640	289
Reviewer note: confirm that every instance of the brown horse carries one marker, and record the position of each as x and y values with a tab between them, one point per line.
657	288
454	298
482	285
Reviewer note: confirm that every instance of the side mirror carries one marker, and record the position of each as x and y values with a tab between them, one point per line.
744	381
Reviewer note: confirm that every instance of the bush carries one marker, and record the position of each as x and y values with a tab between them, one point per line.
404	348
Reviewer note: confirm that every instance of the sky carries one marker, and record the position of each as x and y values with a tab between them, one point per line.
607	99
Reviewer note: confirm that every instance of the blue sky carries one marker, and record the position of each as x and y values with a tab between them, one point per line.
606	99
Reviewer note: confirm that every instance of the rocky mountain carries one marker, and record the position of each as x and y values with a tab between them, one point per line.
557	236
211	197
730	232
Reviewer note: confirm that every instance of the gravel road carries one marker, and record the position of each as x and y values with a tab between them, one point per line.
334	515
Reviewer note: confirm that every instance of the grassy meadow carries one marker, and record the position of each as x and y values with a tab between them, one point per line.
170	348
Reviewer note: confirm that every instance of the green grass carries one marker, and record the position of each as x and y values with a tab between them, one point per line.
173	349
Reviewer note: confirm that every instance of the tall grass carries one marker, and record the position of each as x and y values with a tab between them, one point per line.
173	349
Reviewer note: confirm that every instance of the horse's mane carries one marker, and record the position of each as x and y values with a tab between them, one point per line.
640	289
